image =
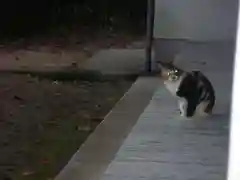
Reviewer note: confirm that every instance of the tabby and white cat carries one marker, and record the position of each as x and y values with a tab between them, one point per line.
194	91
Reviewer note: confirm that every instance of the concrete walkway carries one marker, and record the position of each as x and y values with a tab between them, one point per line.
109	61
117	61
26	60
163	146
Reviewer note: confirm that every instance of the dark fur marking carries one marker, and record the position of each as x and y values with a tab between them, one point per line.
210	91
195	93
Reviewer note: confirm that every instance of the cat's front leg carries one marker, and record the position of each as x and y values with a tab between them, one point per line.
183	107
190	109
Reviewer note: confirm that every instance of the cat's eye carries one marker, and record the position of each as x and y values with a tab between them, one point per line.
172	72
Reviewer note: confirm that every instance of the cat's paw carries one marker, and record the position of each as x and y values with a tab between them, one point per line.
184	116
182	113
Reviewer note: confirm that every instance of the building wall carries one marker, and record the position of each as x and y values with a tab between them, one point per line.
197	20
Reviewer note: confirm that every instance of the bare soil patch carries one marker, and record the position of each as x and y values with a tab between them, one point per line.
43	122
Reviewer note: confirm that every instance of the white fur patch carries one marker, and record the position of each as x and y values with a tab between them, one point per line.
183	106
173	86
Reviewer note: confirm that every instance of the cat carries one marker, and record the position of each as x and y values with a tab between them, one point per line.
193	89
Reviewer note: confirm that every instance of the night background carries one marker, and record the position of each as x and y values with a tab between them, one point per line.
30	18
46	115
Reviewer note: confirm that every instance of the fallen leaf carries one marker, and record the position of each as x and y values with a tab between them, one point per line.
97	119
57	94
84	128
22	106
44	161
87	116
17	98
98	106
28	173
110	99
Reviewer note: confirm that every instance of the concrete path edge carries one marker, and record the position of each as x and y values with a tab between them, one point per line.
95	155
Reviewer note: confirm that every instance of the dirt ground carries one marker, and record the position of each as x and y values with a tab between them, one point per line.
43	122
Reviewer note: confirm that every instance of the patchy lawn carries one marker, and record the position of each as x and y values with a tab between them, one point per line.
43	122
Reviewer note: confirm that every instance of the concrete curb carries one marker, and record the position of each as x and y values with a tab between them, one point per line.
94	156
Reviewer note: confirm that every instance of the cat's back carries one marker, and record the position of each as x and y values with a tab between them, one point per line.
201	78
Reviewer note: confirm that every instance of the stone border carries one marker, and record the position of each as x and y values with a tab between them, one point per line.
95	155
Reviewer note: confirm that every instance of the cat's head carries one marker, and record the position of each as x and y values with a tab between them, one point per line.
169	71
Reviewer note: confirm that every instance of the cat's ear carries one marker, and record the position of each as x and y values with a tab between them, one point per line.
161	65
171	61
166	64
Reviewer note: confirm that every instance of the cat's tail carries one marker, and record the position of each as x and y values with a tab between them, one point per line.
209	106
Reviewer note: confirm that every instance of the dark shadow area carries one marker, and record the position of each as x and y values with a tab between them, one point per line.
22	19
